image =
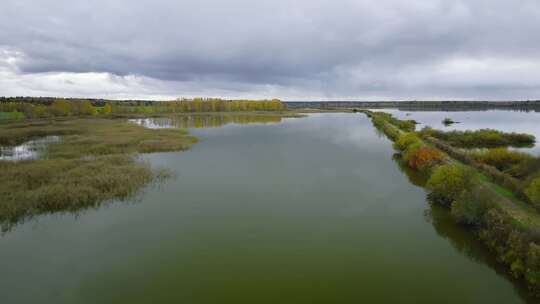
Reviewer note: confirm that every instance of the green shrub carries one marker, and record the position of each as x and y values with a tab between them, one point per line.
405	140
404	125
495	230
526	169
448	183
515	254
11	115
533	192
501	158
484	138
532	274
501	178
470	207
387	129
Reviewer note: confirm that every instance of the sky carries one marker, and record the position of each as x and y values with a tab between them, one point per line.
287	49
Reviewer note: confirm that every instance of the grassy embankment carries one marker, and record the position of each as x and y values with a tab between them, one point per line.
475	195
95	160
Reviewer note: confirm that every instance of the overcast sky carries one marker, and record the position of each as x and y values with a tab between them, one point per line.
289	49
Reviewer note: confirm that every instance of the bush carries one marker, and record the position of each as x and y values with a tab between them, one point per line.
470	207
404	125
423	158
501	158
484	138
501	178
533	192
527	168
495	230
448	183
405	140
532	274
389	130
11	115
516	252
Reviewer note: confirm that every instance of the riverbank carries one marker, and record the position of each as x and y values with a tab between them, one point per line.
507	225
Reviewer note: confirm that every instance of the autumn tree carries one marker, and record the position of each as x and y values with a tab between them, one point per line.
424	158
60	107
107	109
86	108
39	111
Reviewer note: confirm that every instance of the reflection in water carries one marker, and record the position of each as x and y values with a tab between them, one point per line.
203	121
32	149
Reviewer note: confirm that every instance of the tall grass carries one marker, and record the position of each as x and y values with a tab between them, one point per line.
11	115
95	161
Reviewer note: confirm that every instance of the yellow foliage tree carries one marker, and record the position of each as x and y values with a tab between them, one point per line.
60	107
107	109
87	108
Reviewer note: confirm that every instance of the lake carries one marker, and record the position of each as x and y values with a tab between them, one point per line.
306	210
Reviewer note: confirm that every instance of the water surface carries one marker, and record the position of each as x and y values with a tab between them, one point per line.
204	120
310	210
32	149
507	121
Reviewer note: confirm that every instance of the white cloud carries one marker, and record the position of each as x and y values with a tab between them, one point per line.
305	49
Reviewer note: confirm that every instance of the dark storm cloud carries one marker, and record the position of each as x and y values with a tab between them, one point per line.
395	49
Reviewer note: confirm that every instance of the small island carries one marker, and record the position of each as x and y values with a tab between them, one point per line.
448	122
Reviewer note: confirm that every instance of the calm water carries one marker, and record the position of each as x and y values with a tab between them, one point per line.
310	210
32	149
204	121
508	121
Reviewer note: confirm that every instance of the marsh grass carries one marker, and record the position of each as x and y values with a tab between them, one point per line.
95	161
11	115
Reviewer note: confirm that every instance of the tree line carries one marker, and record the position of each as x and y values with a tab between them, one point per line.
16	108
200	105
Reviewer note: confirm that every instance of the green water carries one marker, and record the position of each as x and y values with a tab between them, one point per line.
310	210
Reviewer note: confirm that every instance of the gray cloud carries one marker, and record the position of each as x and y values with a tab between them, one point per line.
301	49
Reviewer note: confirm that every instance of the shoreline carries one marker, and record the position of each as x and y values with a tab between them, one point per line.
512	219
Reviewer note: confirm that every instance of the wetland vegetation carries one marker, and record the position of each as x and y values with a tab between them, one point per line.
95	157
484	138
505	217
95	160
